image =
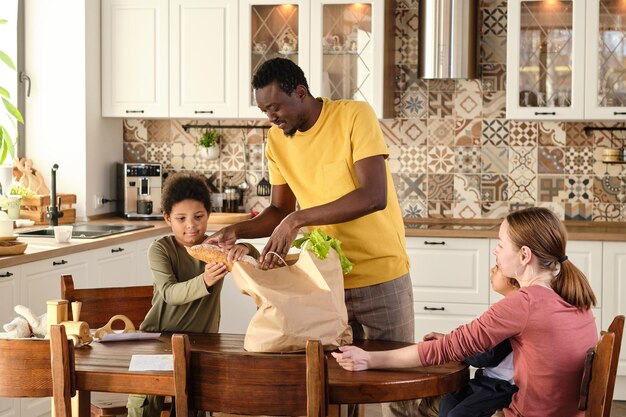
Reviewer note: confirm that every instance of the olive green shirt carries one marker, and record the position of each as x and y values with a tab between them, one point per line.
181	301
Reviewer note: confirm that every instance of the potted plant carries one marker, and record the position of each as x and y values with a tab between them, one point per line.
7	148
209	144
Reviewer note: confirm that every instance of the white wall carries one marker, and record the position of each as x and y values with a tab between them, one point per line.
63	120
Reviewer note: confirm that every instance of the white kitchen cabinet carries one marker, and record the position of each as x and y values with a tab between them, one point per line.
614	301
9	297
449	270
9	294
339	44
135	58
605	80
545	60
41	280
443	317
269	29
565	60
450	282
348	59
203	58
113	266
144	273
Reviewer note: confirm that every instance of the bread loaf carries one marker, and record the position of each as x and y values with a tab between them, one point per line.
211	253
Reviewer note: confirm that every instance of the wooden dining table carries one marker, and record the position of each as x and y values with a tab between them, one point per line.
105	367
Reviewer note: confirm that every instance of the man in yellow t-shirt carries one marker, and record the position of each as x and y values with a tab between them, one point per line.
330	157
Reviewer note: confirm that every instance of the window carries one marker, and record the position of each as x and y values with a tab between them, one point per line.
11	42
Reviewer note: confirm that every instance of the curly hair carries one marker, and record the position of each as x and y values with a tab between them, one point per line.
185	186
282	71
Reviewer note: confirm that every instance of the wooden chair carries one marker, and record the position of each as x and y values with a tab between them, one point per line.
598	382
99	305
32	368
250	383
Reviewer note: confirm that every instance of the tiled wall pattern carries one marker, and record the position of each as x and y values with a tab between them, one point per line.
452	152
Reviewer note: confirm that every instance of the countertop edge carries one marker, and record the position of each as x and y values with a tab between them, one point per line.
46	248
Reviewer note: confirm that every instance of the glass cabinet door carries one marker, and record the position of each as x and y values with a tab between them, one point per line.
545	55
347	50
606	59
270	29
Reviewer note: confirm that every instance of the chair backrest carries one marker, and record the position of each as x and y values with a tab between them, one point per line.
250	383
100	304
39	368
598	382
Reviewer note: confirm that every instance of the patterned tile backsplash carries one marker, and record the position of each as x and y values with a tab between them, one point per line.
452	153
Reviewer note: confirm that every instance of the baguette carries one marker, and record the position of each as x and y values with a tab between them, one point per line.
211	253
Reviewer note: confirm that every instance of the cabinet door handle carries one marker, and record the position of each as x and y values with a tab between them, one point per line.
616	113
6	275
61	262
545	113
117	250
134	111
434	308
434	243
203	111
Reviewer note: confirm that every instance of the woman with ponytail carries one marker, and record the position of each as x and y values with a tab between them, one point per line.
548	321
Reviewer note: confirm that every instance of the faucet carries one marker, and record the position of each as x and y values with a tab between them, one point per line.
53	213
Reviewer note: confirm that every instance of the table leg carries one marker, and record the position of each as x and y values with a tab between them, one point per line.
341	410
81	404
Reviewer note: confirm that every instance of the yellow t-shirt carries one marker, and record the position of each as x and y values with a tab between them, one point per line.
318	165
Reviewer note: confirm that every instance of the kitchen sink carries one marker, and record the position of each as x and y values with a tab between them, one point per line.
87	231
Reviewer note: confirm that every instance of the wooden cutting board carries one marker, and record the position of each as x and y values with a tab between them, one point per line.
228	218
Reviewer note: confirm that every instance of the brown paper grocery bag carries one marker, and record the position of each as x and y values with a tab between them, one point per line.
301	301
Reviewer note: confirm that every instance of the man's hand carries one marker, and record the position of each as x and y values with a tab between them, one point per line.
224	238
280	242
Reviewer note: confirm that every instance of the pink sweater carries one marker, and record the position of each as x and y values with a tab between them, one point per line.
550	339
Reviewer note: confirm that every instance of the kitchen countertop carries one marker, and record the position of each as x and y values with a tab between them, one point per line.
45	248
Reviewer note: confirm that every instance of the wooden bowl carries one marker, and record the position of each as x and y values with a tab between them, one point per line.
12	248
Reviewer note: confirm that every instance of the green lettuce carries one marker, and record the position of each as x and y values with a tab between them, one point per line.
318	242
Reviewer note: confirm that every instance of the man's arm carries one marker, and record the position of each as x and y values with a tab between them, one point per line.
370	196
282	203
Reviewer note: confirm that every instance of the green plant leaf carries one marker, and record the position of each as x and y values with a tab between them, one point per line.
7	60
3	21
7	145
13	110
4	92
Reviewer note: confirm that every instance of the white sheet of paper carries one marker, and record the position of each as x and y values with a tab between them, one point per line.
114	337
151	363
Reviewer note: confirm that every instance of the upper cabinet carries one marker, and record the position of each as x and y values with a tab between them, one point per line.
566	60
175	58
135	58
270	29
196	58
203	58
350	57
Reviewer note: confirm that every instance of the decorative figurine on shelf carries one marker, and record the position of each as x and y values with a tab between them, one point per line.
288	42
350	44
336	45
259	47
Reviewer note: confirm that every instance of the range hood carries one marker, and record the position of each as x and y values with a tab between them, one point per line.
448	39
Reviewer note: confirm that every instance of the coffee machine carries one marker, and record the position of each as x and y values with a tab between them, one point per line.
139	191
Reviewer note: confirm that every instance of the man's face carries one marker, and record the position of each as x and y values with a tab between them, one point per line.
282	109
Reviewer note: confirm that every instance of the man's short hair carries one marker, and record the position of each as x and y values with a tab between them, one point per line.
282	71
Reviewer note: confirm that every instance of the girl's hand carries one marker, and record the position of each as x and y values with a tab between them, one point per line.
213	272
237	252
352	358
433	336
